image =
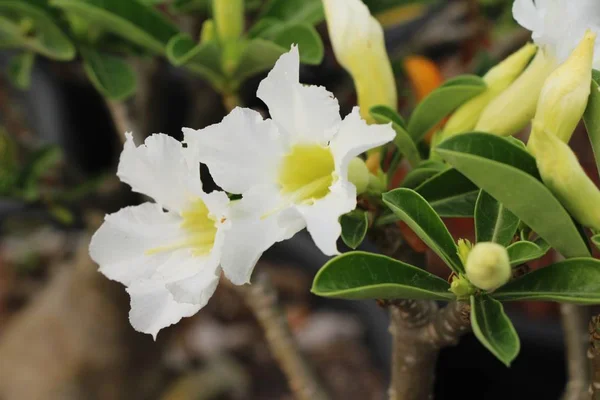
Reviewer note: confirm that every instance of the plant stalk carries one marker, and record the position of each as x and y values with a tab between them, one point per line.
576	342
262	300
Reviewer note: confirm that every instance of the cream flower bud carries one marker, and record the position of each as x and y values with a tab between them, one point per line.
488	266
565	93
564	176
229	18
514	108
497	79
359	46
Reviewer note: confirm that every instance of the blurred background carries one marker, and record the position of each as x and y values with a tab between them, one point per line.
64	332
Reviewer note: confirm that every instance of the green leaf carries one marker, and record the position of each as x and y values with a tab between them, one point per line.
422	173
441	102
509	174
591	118
450	194
110	75
28	26
493	222
260	54
524	251
493	328
386	114
295	11
19	69
576	280
354	227
131	20
414	210
361	275
202	58
403	141
306	37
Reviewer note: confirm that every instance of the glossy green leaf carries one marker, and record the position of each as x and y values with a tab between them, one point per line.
361	275
131	20
403	141
110	75
493	328
202	58
493	222
414	210
592	117
295	11
28	26
19	69
576	280
386	114
509	174
354	227
441	102
525	251
450	194
422	173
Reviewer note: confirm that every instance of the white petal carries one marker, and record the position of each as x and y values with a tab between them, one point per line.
304	113
241	151
159	169
120	244
355	137
527	14
559	25
322	217
154	308
253	231
197	288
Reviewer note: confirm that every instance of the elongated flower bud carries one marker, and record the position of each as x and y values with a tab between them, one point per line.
229	18
497	79
488	266
359	46
564	176
514	108
565	93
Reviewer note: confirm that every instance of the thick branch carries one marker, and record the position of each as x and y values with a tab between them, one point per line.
419	331
594	356
576	342
262	300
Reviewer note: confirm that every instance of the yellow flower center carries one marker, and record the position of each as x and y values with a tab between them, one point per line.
307	172
200	228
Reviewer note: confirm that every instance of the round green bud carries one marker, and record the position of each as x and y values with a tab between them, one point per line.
488	266
358	174
461	287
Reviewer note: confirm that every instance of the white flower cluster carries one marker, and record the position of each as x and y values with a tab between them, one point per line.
291	172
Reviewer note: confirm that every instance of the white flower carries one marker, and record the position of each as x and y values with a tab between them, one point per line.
292	170
559	25
167	253
359	45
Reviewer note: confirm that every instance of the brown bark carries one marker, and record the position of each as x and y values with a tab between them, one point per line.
419	331
594	357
